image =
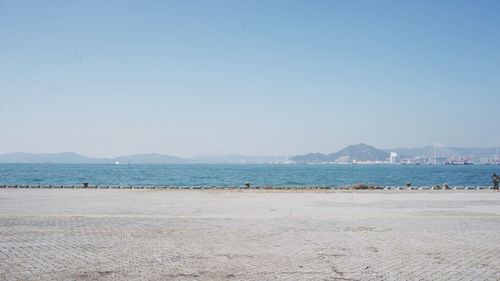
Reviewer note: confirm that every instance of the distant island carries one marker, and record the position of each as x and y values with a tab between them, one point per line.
74	158
358	153
353	154
145	158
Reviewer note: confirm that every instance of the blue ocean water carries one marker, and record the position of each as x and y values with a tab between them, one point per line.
238	175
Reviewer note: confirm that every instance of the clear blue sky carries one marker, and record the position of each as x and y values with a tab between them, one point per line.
106	78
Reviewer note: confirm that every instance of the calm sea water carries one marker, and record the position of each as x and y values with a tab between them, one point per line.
237	175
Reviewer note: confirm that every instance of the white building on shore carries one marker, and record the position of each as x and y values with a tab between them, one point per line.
393	157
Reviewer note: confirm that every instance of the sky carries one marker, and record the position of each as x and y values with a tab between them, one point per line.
109	78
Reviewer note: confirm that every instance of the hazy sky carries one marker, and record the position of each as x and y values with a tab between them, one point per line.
106	78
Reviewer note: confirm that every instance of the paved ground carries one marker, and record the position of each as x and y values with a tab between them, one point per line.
248	235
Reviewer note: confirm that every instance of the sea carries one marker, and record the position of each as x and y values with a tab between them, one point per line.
237	175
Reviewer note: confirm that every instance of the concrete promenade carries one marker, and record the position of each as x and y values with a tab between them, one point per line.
113	234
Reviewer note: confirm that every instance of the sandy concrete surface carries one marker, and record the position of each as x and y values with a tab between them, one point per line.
248	235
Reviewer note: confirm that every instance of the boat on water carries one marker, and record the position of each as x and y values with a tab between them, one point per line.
458	163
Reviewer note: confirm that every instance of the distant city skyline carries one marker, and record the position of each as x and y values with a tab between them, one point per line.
110	78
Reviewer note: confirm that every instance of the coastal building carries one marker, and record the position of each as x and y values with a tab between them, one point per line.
393	158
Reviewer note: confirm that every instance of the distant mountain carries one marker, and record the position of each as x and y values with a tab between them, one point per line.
359	152
64	157
74	158
238	159
149	158
313	158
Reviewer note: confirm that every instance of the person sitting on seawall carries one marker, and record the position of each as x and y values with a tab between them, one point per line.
496	180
